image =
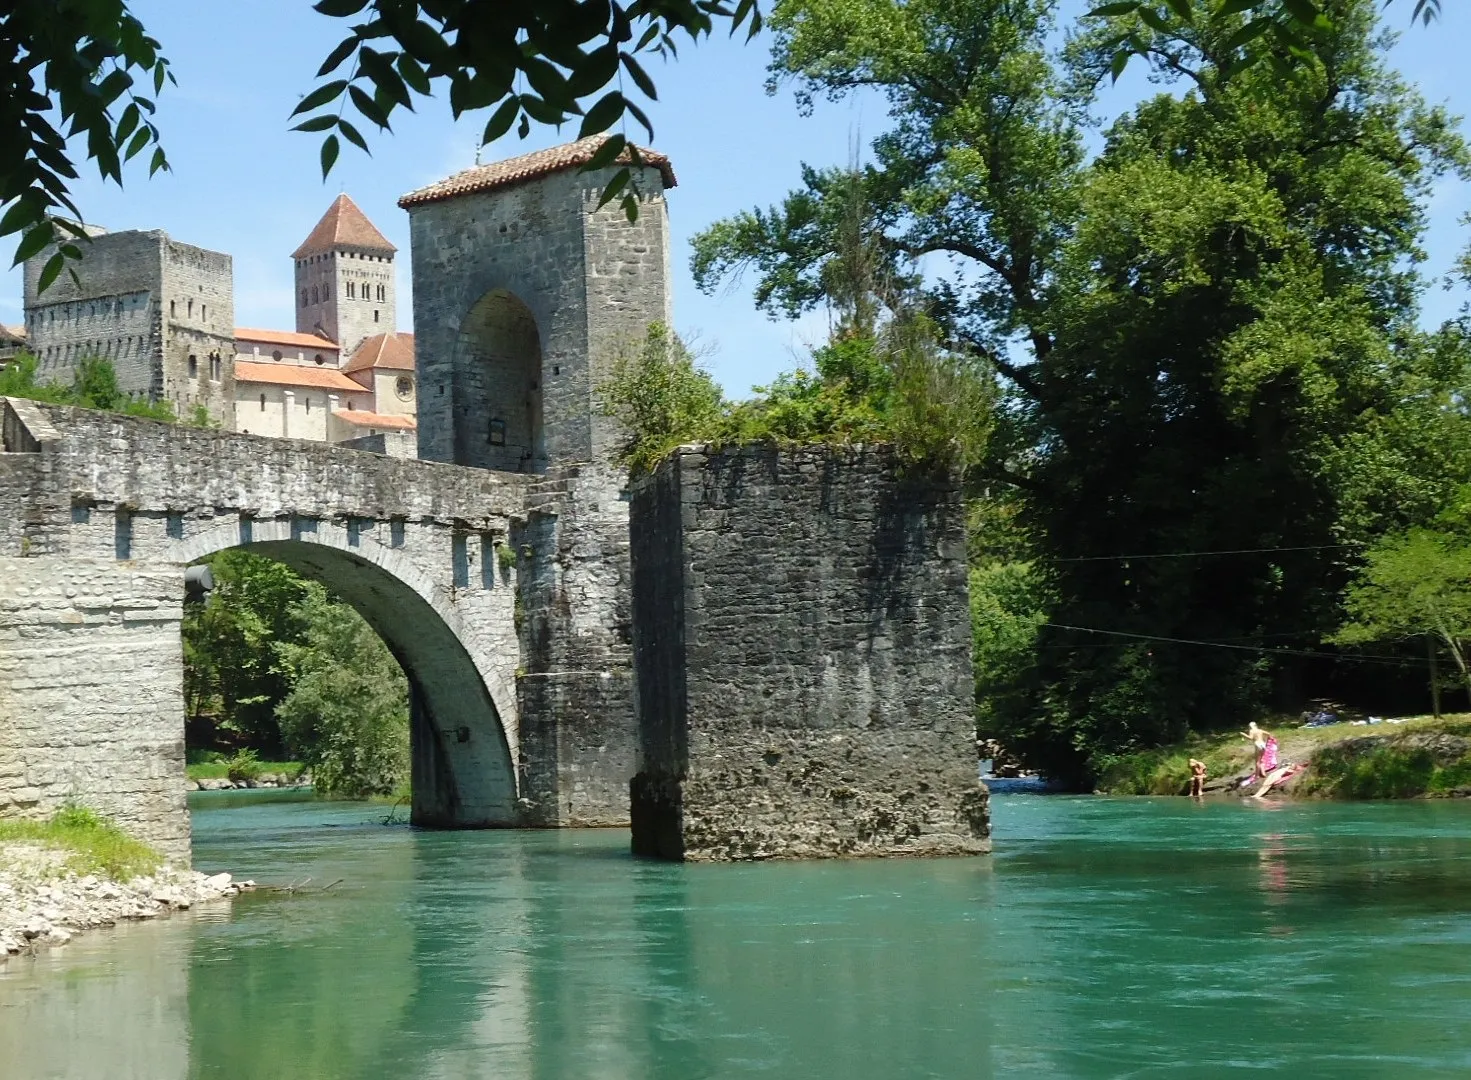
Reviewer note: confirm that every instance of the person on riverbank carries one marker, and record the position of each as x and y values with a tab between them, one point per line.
1197	778
1261	739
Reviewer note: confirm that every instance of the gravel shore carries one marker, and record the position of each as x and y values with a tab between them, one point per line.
43	904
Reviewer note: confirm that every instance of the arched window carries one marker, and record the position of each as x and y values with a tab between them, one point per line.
263	403
349	290
191	307
375	314
171	308
315	295
193	366
308	401
303	298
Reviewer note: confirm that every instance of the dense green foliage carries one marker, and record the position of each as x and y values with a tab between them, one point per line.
93	386
274	666
347	715
1394	769
1211	387
93	844
1415	583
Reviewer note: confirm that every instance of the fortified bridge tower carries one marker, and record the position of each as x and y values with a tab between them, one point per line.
525	293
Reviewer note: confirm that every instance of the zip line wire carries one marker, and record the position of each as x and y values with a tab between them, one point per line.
1392	661
1194	554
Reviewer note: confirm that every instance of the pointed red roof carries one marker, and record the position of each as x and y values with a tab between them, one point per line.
344	225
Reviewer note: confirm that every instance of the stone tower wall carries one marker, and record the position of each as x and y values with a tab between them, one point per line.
112	311
345	319
803	656
588	278
146	304
198	306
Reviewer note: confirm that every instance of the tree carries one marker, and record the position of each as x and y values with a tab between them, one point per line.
233	669
1206	333
1415	583
89	69
93	386
347	715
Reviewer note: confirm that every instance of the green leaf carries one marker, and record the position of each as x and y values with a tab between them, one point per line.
50	271
320	96
125	126
1235	7
1108	11
317	123
1249	33
523	129
1119	62
1153	20
339	9
607	153
413	74
541	111
337	56
158	162
1304	11
603	115
1182	10
367	106
330	148
500	121
140	140
353	135
547	81
614	186
639	76
23	213
33	242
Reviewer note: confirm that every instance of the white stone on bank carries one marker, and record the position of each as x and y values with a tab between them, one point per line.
43	904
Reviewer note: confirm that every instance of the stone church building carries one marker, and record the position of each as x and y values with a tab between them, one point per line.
162	312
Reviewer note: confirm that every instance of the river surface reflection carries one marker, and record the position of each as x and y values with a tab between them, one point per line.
1106	938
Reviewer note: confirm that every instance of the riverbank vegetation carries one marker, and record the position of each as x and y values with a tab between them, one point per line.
1422	756
277	668
88	843
1216	436
94	385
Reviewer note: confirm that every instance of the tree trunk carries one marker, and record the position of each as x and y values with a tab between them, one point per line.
1434	676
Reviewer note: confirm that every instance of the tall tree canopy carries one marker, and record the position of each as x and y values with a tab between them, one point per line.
1206	333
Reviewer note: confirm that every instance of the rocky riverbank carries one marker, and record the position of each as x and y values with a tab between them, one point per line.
265	780
42	903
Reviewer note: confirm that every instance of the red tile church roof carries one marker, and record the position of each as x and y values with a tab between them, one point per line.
344	225
529	167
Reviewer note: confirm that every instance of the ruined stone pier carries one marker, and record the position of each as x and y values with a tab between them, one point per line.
803	656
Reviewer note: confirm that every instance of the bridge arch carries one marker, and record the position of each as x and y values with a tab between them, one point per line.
462	710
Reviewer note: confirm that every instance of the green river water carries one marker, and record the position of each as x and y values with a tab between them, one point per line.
1105	938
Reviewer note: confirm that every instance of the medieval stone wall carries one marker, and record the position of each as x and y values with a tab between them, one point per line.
586	276
198	306
576	685
803	656
91	685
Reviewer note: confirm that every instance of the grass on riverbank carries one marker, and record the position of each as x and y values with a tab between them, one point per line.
91	843
1422	756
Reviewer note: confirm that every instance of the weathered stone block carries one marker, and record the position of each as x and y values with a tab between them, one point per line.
802	656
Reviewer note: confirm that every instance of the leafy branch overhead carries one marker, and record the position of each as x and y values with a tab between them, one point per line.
83	70
1277	32
527	61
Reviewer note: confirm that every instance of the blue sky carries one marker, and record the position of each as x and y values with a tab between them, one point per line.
244	184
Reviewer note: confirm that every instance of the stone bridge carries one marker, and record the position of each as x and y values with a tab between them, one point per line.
103	513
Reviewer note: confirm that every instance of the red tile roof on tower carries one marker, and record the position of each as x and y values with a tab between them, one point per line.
516	170
344	225
394	352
